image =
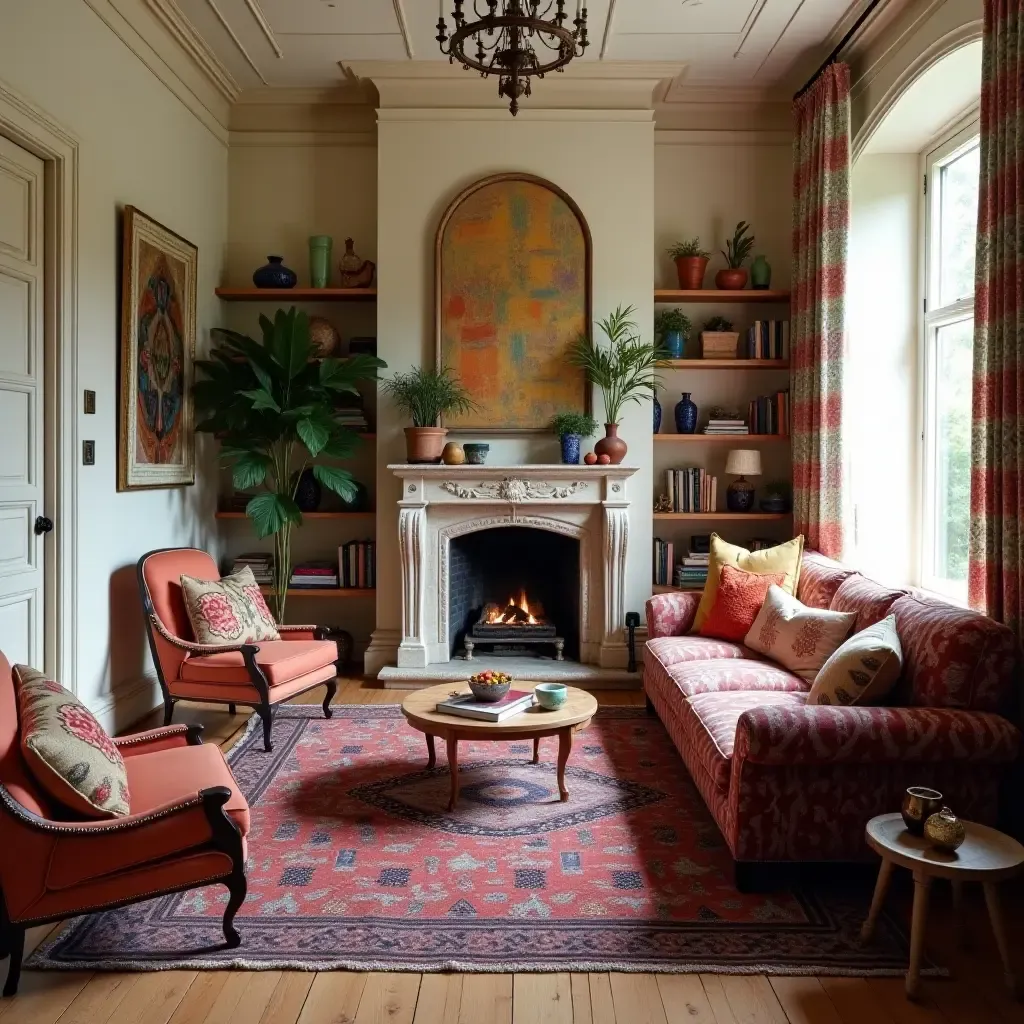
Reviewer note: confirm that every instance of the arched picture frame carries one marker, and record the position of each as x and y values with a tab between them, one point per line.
513	292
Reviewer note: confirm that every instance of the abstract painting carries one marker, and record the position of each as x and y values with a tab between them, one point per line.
513	294
156	440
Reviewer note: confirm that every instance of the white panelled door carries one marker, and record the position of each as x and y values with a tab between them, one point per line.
21	405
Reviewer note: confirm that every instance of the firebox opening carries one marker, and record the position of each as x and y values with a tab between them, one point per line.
510	584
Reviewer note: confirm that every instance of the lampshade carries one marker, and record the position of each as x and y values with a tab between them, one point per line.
743	462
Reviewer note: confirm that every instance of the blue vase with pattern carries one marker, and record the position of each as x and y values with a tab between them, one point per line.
571	449
275	274
674	342
657	414
686	415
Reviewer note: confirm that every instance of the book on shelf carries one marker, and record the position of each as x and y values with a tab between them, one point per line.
357	564
769	414
691	490
314	575
261	564
722	426
766	339
468	706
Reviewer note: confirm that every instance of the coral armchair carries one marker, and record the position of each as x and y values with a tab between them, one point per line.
185	828
260	675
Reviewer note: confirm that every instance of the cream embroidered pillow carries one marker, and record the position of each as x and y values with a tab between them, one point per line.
230	610
67	751
863	670
799	638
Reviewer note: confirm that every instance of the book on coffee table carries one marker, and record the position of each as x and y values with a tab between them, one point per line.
468	706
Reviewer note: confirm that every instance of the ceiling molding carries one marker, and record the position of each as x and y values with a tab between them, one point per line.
404	26
347	94
261	19
239	45
392	115
729	137
173	19
307	140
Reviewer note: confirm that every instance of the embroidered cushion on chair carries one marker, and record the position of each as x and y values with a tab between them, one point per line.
68	752
230	610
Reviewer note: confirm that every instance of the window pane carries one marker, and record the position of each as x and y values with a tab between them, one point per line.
958	217
952	426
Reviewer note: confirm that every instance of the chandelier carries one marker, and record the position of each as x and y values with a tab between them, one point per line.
504	41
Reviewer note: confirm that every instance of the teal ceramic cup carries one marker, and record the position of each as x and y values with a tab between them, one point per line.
551	696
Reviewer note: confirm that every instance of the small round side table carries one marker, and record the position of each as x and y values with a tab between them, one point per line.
987	856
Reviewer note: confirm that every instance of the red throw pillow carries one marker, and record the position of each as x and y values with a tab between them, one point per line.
739	599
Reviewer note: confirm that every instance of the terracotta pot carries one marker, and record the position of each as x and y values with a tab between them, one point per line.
731	280
691	271
611	444
425	444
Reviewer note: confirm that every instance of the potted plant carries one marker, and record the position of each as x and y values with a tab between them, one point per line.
691	263
778	496
672	327
274	408
425	395
623	370
571	428
737	252
718	340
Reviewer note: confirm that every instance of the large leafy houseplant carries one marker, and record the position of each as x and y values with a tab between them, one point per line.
273	407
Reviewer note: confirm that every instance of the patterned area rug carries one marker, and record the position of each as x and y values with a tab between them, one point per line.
354	863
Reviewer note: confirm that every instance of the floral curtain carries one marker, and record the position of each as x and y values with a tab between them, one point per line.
997	450
821	215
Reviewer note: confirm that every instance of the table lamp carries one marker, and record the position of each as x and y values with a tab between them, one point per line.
742	462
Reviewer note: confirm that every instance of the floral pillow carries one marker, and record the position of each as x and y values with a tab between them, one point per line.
67	751
863	670
230	610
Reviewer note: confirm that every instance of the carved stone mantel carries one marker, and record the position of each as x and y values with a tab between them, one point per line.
589	503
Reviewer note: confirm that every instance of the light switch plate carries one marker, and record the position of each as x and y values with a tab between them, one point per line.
88	453
89	403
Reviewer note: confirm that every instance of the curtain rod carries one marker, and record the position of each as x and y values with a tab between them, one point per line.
831	58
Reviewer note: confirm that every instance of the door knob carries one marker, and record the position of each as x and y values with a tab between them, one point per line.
43	525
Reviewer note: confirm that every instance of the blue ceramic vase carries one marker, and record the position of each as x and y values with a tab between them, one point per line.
674	342
275	274
657	415
686	415
571	449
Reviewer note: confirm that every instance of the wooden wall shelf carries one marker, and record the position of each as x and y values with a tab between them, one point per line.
297	294
325	591
724	364
707	516
738	440
710	296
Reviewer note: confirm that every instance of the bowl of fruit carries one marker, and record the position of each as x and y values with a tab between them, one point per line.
490	686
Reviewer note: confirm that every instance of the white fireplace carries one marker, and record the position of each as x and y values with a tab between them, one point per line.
441	504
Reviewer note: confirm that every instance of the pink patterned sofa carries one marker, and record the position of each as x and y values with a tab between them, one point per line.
788	781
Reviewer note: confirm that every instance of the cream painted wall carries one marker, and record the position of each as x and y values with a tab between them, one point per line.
881	394
137	144
607	165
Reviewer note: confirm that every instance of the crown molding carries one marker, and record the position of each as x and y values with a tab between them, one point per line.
301	140
727	137
543	114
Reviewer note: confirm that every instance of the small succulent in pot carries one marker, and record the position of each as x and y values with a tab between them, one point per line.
717	325
571	428
737	252
691	263
672	327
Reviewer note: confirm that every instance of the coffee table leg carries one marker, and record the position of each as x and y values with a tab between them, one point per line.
536	750
453	768
959	919
919	919
431	753
877	901
564	749
996	917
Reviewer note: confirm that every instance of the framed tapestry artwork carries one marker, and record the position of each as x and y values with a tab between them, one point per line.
156	444
513	273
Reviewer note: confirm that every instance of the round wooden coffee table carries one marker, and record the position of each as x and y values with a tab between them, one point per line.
987	856
535	723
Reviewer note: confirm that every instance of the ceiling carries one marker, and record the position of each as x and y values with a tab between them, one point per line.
746	44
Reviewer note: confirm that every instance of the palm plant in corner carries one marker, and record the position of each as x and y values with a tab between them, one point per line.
274	408
623	370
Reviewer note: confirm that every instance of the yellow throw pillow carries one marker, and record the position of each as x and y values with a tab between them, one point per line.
784	558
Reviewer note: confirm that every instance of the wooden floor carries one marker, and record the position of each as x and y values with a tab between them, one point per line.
973	996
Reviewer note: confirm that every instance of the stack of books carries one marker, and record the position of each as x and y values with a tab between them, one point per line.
766	339
722	426
314	576
692	571
662	562
262	566
357	564
769	414
349	412
692	490
514	702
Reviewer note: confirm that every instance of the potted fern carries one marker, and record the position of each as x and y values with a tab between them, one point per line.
691	263
624	370
425	395
274	408
672	327
737	252
571	428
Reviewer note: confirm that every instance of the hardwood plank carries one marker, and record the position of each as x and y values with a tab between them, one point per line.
388	997
43	996
439	1000
486	999
244	998
96	1003
960	1004
154	997
854	1001
742	999
684	999
333	998
637	999
542	999
200	998
804	1000
582	1011
602	1005
892	997
287	1001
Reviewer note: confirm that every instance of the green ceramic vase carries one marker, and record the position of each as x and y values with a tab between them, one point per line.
760	273
320	260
